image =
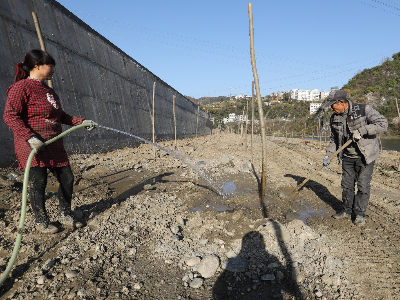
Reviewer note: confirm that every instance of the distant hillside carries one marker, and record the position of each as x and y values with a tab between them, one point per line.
378	87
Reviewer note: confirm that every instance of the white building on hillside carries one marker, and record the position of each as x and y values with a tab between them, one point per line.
304	95
241	97
314	95
232	117
324	95
242	118
314	107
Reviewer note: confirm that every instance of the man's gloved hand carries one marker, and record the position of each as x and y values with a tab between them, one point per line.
356	135
35	144
325	161
90	125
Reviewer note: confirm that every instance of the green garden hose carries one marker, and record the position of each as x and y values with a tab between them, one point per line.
23	205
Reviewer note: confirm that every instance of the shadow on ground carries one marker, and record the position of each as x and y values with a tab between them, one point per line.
320	190
241	280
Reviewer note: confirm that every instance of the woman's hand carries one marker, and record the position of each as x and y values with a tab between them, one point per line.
36	144
90	125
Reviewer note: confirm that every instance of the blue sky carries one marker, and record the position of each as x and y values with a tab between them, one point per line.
202	48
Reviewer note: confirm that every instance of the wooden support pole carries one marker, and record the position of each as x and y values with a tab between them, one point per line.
398	114
197	124
241	124
153	120
173	110
260	108
42	46
247	121
319	132
252	119
205	123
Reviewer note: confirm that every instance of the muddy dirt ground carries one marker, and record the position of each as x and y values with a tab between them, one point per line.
157	228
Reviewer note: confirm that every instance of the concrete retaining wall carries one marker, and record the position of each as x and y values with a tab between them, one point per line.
94	79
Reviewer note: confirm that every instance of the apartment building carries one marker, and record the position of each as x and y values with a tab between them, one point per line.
314	107
304	95
324	95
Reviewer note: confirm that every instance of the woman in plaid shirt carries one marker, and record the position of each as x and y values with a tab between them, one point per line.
33	112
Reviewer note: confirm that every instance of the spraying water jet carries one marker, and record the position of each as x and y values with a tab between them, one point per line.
227	188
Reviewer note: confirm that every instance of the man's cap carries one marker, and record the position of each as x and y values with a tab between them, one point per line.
333	98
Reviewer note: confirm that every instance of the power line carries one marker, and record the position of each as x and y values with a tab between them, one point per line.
378	7
392	2
386	4
302	75
235	57
248	86
246	66
191	48
198	41
214	53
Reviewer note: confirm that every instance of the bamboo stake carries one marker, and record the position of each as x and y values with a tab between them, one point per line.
260	108
241	125
197	124
398	113
42	46
205	123
247	121
153	120
173	110
252	119
319	131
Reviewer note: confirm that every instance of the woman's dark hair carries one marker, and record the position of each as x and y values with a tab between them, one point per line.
32	58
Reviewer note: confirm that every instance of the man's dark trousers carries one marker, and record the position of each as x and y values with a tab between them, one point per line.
356	171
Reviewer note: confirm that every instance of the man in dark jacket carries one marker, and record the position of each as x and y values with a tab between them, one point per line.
361	123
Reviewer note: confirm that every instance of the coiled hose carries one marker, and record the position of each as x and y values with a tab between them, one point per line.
23	205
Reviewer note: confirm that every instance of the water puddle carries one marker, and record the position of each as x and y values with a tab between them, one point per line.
228	188
195	167
304	212
214	206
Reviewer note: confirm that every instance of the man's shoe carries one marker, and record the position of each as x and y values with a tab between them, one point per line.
46	228
359	221
69	221
342	215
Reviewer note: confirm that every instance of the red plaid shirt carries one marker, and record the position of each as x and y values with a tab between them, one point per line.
33	109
